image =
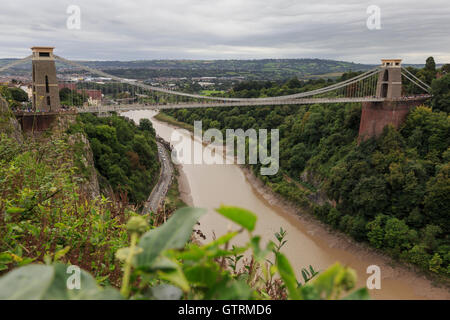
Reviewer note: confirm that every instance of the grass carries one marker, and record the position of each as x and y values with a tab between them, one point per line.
211	92
171	120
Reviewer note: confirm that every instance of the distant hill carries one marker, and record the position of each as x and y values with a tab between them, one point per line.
264	69
250	69
273	69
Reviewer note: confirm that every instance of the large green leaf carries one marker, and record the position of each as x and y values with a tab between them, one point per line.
333	282
41	282
241	216
171	235
166	292
288	276
27	283
325	284
229	290
203	275
176	276
360	294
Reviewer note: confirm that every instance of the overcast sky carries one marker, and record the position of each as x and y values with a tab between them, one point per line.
225	29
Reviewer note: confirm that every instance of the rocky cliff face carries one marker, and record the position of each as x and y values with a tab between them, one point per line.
8	123
82	154
319	197
84	159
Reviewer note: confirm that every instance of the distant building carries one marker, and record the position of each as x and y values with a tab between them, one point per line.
95	97
28	89
71	86
206	84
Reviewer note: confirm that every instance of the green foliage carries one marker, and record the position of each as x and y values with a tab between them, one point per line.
430	64
18	94
45	214
288	276
124	154
70	97
332	283
173	234
436	198
181	269
428	73
242	217
445	68
14	96
440	88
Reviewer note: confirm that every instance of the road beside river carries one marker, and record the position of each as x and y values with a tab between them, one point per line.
162	186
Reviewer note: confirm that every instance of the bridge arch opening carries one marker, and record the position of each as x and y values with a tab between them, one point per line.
384	90
47	89
386	75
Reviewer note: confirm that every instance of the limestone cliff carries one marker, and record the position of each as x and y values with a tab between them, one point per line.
82	153
8	123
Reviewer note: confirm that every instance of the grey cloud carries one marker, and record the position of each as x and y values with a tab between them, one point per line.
210	29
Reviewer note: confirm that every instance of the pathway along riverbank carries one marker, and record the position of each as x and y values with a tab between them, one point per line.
309	241
159	192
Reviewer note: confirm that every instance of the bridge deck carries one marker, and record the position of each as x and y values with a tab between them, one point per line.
43	113
131	107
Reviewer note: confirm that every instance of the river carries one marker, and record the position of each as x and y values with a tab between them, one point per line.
309	242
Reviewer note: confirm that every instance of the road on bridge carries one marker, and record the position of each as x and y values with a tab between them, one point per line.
162	186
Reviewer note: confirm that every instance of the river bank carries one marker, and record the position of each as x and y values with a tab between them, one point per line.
309	241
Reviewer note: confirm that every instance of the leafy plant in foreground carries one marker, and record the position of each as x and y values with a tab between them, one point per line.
164	264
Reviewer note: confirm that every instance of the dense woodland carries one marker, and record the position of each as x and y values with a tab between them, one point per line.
392	192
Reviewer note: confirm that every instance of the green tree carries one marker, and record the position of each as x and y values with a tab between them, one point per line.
19	95
146	125
436	199
445	68
125	155
440	89
398	236
435	263
377	232
430	64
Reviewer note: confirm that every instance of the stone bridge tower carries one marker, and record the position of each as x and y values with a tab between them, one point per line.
45	84
389	84
393	111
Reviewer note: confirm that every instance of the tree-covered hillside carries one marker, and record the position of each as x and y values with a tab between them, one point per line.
125	155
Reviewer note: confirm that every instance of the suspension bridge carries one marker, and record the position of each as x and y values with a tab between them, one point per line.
380	90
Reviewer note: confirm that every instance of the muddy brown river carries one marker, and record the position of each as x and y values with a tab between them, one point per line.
309	242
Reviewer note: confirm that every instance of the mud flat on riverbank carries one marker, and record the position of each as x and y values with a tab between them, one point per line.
335	240
183	186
